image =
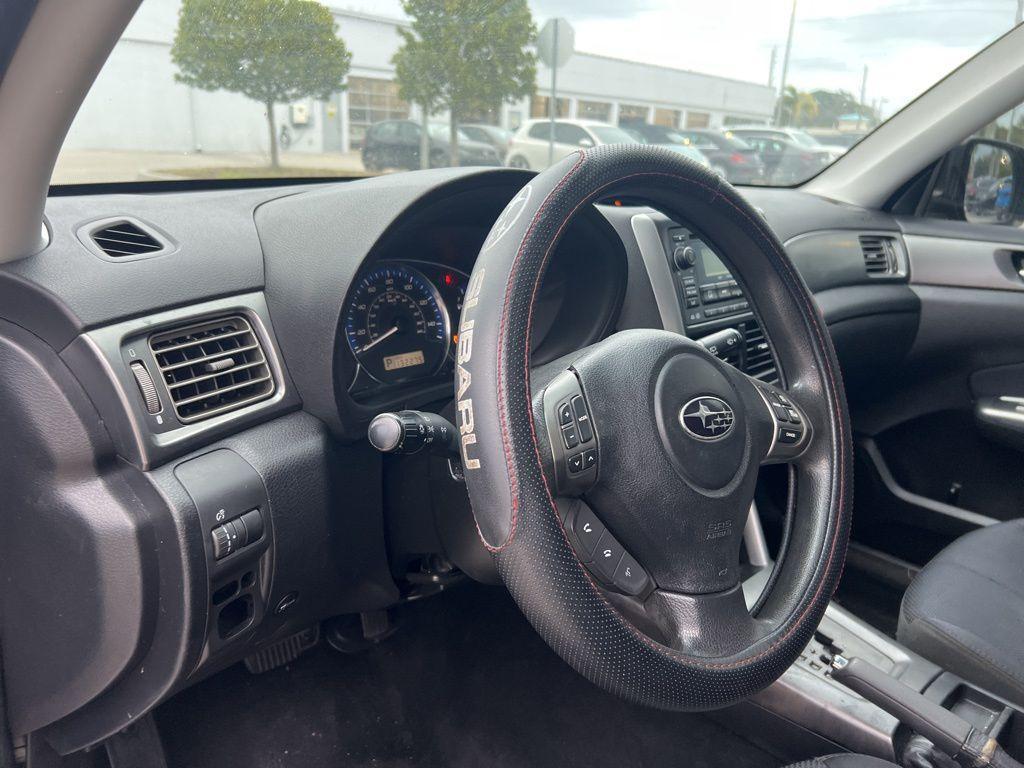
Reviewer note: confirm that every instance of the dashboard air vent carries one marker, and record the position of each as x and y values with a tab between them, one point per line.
212	368
880	255
122	238
758	360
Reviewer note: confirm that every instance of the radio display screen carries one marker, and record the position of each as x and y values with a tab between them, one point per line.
713	266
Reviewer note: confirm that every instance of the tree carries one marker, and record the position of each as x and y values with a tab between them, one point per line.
834	104
269	50
465	56
798	107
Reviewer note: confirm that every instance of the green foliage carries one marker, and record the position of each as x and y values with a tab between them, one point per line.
798	107
269	50
466	56
834	104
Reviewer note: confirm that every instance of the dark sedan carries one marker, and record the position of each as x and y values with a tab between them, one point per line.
731	158
396	144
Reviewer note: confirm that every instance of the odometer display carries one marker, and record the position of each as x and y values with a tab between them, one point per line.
397	325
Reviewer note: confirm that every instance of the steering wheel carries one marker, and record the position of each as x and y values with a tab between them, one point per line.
613	488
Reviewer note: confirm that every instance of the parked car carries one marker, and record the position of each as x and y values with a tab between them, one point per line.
786	162
730	157
529	147
396	144
798	136
833	137
497	137
669	139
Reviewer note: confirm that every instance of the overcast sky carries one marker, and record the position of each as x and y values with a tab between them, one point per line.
907	44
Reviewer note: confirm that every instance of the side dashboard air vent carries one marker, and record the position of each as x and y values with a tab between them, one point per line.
122	239
758	360
881	255
212	368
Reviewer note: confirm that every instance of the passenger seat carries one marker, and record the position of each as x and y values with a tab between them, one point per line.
965	609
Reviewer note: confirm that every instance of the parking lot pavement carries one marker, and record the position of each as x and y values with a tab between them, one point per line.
82	166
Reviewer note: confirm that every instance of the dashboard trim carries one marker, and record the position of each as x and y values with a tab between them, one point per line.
648	239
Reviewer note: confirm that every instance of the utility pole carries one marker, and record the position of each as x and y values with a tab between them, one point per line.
785	66
863	95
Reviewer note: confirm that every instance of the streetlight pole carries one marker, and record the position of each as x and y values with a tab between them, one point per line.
785	65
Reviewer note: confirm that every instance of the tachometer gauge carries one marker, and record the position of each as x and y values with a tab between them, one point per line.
397	325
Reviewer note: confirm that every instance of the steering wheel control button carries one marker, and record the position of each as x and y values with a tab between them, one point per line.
607	556
789	436
781	412
579	408
576	463
565	417
794	417
571	435
629	576
588	530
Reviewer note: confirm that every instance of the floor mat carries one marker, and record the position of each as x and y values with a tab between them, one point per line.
465	682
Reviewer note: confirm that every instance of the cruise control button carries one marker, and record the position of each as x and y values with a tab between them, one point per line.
586	431
590	458
793	415
781	412
575	463
607	556
629	576
588	530
789	436
564	414
570	436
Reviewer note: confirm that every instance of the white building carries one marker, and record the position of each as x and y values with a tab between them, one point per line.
136	103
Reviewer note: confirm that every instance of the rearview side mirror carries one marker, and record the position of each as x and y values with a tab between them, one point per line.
981	181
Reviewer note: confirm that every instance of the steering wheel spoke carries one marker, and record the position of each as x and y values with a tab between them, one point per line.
710	625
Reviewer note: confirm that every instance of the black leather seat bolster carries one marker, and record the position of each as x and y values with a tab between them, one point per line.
965	609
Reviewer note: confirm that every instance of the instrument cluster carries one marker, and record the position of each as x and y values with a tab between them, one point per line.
401	322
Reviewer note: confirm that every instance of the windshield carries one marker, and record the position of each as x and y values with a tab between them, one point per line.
231	89
609	134
804	139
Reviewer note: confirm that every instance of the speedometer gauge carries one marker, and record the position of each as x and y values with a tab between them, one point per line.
397	325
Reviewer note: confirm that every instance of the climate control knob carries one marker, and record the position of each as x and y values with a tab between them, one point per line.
684	256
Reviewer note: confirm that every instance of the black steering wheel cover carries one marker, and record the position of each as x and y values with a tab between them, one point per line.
512	502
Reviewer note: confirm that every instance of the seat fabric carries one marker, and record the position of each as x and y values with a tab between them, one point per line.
965	609
846	760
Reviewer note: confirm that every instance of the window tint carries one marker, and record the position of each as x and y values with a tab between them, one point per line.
385	131
540	131
567	133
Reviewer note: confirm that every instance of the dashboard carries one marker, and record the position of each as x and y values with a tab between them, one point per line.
212	400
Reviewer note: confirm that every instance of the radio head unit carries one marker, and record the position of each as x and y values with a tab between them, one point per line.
704	286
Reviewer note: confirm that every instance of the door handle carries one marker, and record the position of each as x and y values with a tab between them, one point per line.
1002	418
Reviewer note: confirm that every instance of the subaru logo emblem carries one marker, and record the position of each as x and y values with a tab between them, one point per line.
707	418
